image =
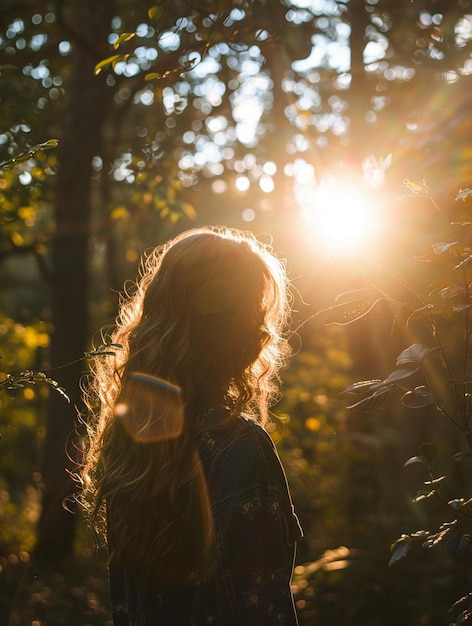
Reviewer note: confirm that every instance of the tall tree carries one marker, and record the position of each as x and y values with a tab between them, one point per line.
88	99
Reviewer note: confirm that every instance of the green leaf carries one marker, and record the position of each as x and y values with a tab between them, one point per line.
348	312
50	143
417	398
428	450
414	354
373	401
400	549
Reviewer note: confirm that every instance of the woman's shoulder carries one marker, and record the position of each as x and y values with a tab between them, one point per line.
235	433
241	450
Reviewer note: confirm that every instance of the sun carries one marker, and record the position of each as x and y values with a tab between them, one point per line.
339	218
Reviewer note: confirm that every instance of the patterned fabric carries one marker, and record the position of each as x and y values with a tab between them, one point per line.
255	533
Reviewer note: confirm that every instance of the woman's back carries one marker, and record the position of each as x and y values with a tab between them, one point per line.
250	563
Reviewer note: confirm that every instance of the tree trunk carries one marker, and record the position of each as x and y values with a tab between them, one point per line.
88	98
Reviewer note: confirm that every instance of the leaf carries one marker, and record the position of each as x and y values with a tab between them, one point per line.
399	374
463	263
417	459
461	307
438	284
156	12
373	401
434	540
188	210
401	319
464	193
420	188
461	456
361	386
443	247
400	549
152	76
24	156
122	38
348	295
417	398
423	495
428	450
456	503
348	312
462	380
451	292
414	354
435	481
458	543
420	534
112	61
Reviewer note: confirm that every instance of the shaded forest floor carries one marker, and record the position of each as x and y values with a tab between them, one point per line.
367	593
75	594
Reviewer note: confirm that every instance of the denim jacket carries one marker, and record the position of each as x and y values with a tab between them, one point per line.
255	531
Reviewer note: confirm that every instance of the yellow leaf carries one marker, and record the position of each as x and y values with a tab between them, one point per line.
155	13
171	195
17	239
26	212
122	38
188	210
313	423
113	60
416	187
120	213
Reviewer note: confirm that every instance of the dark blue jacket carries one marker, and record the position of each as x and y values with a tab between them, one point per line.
255	530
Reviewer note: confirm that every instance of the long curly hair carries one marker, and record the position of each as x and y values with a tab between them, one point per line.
204	326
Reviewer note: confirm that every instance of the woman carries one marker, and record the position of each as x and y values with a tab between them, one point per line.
199	521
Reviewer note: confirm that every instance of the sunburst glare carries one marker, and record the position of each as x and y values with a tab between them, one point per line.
339	216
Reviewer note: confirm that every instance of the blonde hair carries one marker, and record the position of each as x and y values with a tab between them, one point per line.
206	323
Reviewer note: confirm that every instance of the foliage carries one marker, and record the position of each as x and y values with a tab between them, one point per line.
432	374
